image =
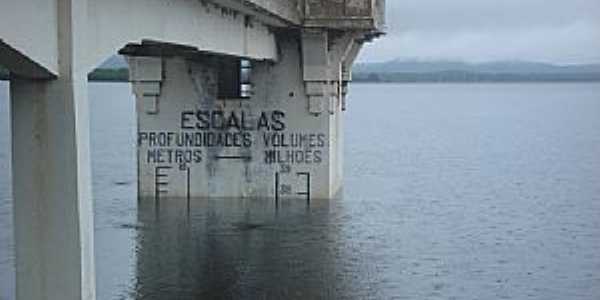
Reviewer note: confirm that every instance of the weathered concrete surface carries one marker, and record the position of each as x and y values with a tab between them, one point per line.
270	135
51	189
345	14
203	25
288	10
285	141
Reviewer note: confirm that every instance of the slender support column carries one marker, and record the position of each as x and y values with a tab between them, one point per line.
51	188
53	215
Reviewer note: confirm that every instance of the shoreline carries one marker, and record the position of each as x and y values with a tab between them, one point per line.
122	75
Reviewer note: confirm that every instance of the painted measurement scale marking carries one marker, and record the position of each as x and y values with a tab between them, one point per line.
161	182
286	189
158	183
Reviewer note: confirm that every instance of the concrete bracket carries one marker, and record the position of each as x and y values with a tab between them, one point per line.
348	47
327	62
349	58
344	93
315	104
333	97
315	56
315	68
146	75
316	96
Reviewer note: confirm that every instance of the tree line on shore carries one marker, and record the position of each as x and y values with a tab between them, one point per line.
114	75
122	75
463	76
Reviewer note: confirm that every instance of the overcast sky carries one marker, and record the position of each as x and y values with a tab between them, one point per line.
556	31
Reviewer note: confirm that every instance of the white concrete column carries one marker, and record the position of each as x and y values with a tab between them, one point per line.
53	215
51	189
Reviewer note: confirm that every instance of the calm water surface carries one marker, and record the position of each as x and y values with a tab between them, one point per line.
452	192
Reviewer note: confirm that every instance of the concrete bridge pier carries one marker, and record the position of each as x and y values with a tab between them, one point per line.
216	126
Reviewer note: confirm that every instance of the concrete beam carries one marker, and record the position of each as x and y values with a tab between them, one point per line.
327	65
29	28
231	27
289	10
345	14
271	13
240	29
203	25
21	65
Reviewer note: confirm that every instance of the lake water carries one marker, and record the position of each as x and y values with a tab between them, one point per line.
480	191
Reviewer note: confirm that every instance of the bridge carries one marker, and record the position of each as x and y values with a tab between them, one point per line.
235	98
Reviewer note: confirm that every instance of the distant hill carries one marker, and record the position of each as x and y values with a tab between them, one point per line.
114	62
455	71
512	67
115	69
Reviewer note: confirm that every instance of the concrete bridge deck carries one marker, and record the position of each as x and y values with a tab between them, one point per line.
49	47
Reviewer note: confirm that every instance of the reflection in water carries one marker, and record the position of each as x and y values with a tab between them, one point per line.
226	248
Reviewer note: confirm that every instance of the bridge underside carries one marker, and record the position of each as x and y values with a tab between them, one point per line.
98	29
301	58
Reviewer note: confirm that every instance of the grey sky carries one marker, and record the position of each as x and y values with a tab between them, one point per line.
557	31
